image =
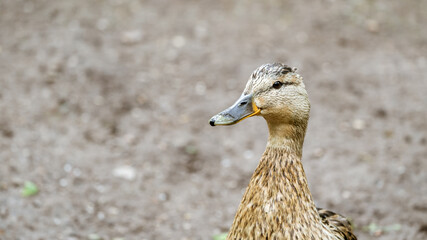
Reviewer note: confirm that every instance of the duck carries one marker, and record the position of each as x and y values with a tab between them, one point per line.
277	203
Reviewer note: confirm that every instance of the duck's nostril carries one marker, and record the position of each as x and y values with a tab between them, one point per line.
212	122
243	103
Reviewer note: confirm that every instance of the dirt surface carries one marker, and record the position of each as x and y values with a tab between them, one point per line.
104	105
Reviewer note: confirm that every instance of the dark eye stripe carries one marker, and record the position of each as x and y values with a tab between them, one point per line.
277	84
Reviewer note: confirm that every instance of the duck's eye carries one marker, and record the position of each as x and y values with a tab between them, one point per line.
277	84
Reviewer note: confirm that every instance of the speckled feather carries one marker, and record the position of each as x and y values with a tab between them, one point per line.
338	223
278	204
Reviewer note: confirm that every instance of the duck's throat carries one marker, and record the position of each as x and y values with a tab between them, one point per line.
287	136
277	199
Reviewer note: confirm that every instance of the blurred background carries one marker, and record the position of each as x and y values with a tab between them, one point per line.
104	110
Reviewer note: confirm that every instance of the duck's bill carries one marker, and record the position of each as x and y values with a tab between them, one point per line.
242	109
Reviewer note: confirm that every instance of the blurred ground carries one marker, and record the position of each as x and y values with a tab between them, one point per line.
105	106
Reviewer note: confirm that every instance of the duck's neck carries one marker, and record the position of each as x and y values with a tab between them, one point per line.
287	136
278	198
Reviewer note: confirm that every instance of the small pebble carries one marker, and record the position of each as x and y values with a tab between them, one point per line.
131	37
77	172
372	25
113	211
346	194
57	221
63	182
187	216
100	215
226	163
125	172
248	154
68	167
100	188
401	170
358	124
186	226
94	236
90	208
379	184
178	41
163	197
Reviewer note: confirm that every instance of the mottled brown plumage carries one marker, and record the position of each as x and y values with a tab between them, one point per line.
277	203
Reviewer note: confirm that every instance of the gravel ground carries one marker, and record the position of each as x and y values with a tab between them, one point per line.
104	105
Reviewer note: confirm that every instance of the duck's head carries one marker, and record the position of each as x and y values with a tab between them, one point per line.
274	91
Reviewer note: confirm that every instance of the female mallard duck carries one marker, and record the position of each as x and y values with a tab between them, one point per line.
277	203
